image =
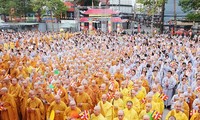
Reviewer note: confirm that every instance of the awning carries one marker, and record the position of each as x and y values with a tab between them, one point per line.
113	19
96	12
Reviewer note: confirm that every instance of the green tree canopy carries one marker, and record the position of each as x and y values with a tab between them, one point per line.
191	6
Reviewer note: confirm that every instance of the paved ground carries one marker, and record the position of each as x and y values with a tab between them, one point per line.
165	113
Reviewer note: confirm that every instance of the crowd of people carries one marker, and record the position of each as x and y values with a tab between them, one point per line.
101	76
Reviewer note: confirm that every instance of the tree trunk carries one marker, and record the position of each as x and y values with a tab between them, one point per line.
162	17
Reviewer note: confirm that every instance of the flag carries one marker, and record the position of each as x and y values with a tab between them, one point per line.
157	115
84	115
110	95
111	86
163	96
193	112
73	83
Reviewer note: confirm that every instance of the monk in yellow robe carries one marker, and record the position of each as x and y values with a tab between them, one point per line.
35	108
119	77
156	98
15	91
72	112
62	91
97	114
90	92
124	90
9	108
102	91
106	108
24	97
147	110
134	100
83	99
184	105
58	107
195	116
117	102
177	112
95	89
120	116
129	112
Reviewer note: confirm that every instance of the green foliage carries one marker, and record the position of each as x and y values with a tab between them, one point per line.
193	16
192	6
57	7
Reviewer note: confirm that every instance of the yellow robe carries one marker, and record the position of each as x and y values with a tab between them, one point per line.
9	104
179	116
136	103
15	91
106	110
142	113
158	100
69	113
141	93
186	109
195	116
64	95
118	105
99	117
38	113
23	101
131	114
125	93
83	98
118	118
54	106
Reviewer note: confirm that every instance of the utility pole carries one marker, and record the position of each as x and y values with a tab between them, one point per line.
175	22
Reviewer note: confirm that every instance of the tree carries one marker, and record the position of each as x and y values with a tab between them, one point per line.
56	7
191	6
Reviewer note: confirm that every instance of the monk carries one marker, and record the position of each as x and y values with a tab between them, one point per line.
147	110
134	100
58	107
90	92
15	91
130	113
120	115
117	102
72	112
106	108
83	99
177	112
97	114
60	90
24	97
35	107
9	108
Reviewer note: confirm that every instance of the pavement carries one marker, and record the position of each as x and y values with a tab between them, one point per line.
165	113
